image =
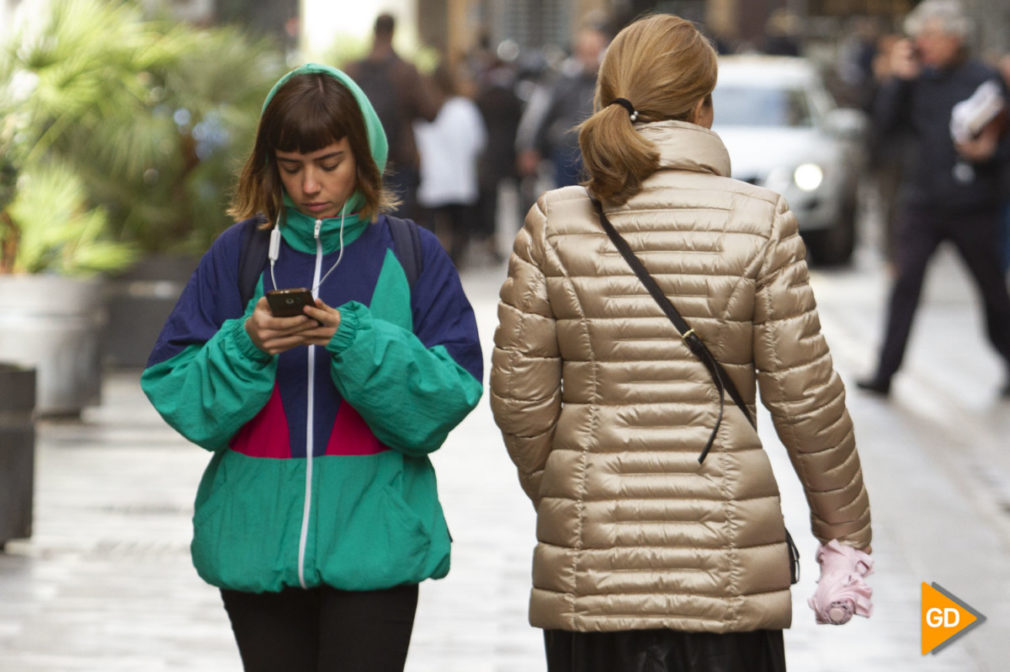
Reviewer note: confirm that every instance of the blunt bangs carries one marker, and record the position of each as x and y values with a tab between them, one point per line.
308	120
307	113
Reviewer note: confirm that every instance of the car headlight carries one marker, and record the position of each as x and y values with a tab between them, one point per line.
808	176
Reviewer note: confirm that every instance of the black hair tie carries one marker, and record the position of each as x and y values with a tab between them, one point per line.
626	104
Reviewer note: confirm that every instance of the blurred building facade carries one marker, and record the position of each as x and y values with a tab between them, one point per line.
455	27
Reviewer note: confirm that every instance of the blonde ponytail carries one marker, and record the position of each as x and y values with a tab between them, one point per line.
615	156
660	66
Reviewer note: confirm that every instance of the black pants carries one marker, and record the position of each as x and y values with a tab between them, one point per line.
664	651
323	629
918	234
457	220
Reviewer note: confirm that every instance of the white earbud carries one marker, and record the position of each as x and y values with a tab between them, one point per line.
274	251
275	243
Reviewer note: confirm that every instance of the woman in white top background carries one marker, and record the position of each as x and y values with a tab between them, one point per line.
449	148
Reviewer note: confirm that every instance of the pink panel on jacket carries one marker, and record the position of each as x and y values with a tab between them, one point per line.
351	436
266	435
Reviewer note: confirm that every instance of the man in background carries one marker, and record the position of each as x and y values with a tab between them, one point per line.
400	95
546	129
950	189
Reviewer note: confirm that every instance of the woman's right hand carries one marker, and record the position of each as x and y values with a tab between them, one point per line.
274	335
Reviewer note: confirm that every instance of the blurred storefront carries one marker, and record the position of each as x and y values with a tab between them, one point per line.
456	26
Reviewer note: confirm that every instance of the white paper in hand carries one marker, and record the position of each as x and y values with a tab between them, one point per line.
970	116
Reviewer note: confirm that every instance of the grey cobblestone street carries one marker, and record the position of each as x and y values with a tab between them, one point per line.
105	583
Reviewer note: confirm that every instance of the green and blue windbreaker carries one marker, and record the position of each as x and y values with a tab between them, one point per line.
320	474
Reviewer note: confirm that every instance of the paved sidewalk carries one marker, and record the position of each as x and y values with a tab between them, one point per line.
106	584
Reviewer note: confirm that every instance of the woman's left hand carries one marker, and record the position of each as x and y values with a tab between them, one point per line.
329	321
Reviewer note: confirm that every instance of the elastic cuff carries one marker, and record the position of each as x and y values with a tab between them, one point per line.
351	315
244	343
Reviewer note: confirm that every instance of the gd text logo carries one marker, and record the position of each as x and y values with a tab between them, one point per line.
945	618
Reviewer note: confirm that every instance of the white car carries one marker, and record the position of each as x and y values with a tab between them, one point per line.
784	131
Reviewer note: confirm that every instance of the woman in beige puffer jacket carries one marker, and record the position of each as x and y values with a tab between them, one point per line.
605	411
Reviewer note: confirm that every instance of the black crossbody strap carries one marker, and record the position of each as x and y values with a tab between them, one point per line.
723	383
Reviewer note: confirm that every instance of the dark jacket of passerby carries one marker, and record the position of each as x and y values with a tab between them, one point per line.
571	102
399	95
547	127
934	176
501	109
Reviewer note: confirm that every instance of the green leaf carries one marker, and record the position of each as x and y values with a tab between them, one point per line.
58	232
127	103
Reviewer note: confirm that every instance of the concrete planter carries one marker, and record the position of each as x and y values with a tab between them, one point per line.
139	302
17	452
55	324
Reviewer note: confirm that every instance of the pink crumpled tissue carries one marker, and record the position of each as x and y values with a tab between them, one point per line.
841	591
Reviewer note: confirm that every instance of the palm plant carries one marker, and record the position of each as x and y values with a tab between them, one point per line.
63	236
148	115
59	91
214	93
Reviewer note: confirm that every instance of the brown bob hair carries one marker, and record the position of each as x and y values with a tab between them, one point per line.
663	65
309	112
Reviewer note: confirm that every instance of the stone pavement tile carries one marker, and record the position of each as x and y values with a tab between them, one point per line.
105	583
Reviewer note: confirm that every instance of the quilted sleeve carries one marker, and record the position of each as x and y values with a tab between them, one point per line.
526	364
804	393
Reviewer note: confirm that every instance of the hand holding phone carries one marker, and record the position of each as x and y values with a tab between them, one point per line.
274	336
289	302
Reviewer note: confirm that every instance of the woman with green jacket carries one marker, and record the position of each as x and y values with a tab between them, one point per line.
318	514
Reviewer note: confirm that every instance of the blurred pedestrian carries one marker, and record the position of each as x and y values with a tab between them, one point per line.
400	96
449	148
661	543
501	109
783	33
886	149
853	72
318	515
1004	69
951	189
547	127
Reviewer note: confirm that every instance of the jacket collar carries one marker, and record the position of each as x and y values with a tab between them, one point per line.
299	230
686	146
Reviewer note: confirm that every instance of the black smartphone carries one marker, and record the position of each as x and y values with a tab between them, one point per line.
289	302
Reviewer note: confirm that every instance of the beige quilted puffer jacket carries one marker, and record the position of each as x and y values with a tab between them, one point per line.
605	411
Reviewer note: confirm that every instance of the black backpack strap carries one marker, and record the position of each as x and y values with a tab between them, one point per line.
723	382
407	247
252	258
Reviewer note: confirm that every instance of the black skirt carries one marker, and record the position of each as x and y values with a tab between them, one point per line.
664	651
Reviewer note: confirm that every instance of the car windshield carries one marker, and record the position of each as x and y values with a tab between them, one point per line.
761	106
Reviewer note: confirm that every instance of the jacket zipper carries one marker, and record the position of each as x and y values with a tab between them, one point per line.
309	414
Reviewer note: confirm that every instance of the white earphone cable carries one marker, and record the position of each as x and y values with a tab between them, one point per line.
340	256
275	250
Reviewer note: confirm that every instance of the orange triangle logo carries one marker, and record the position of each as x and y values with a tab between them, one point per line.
945	618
